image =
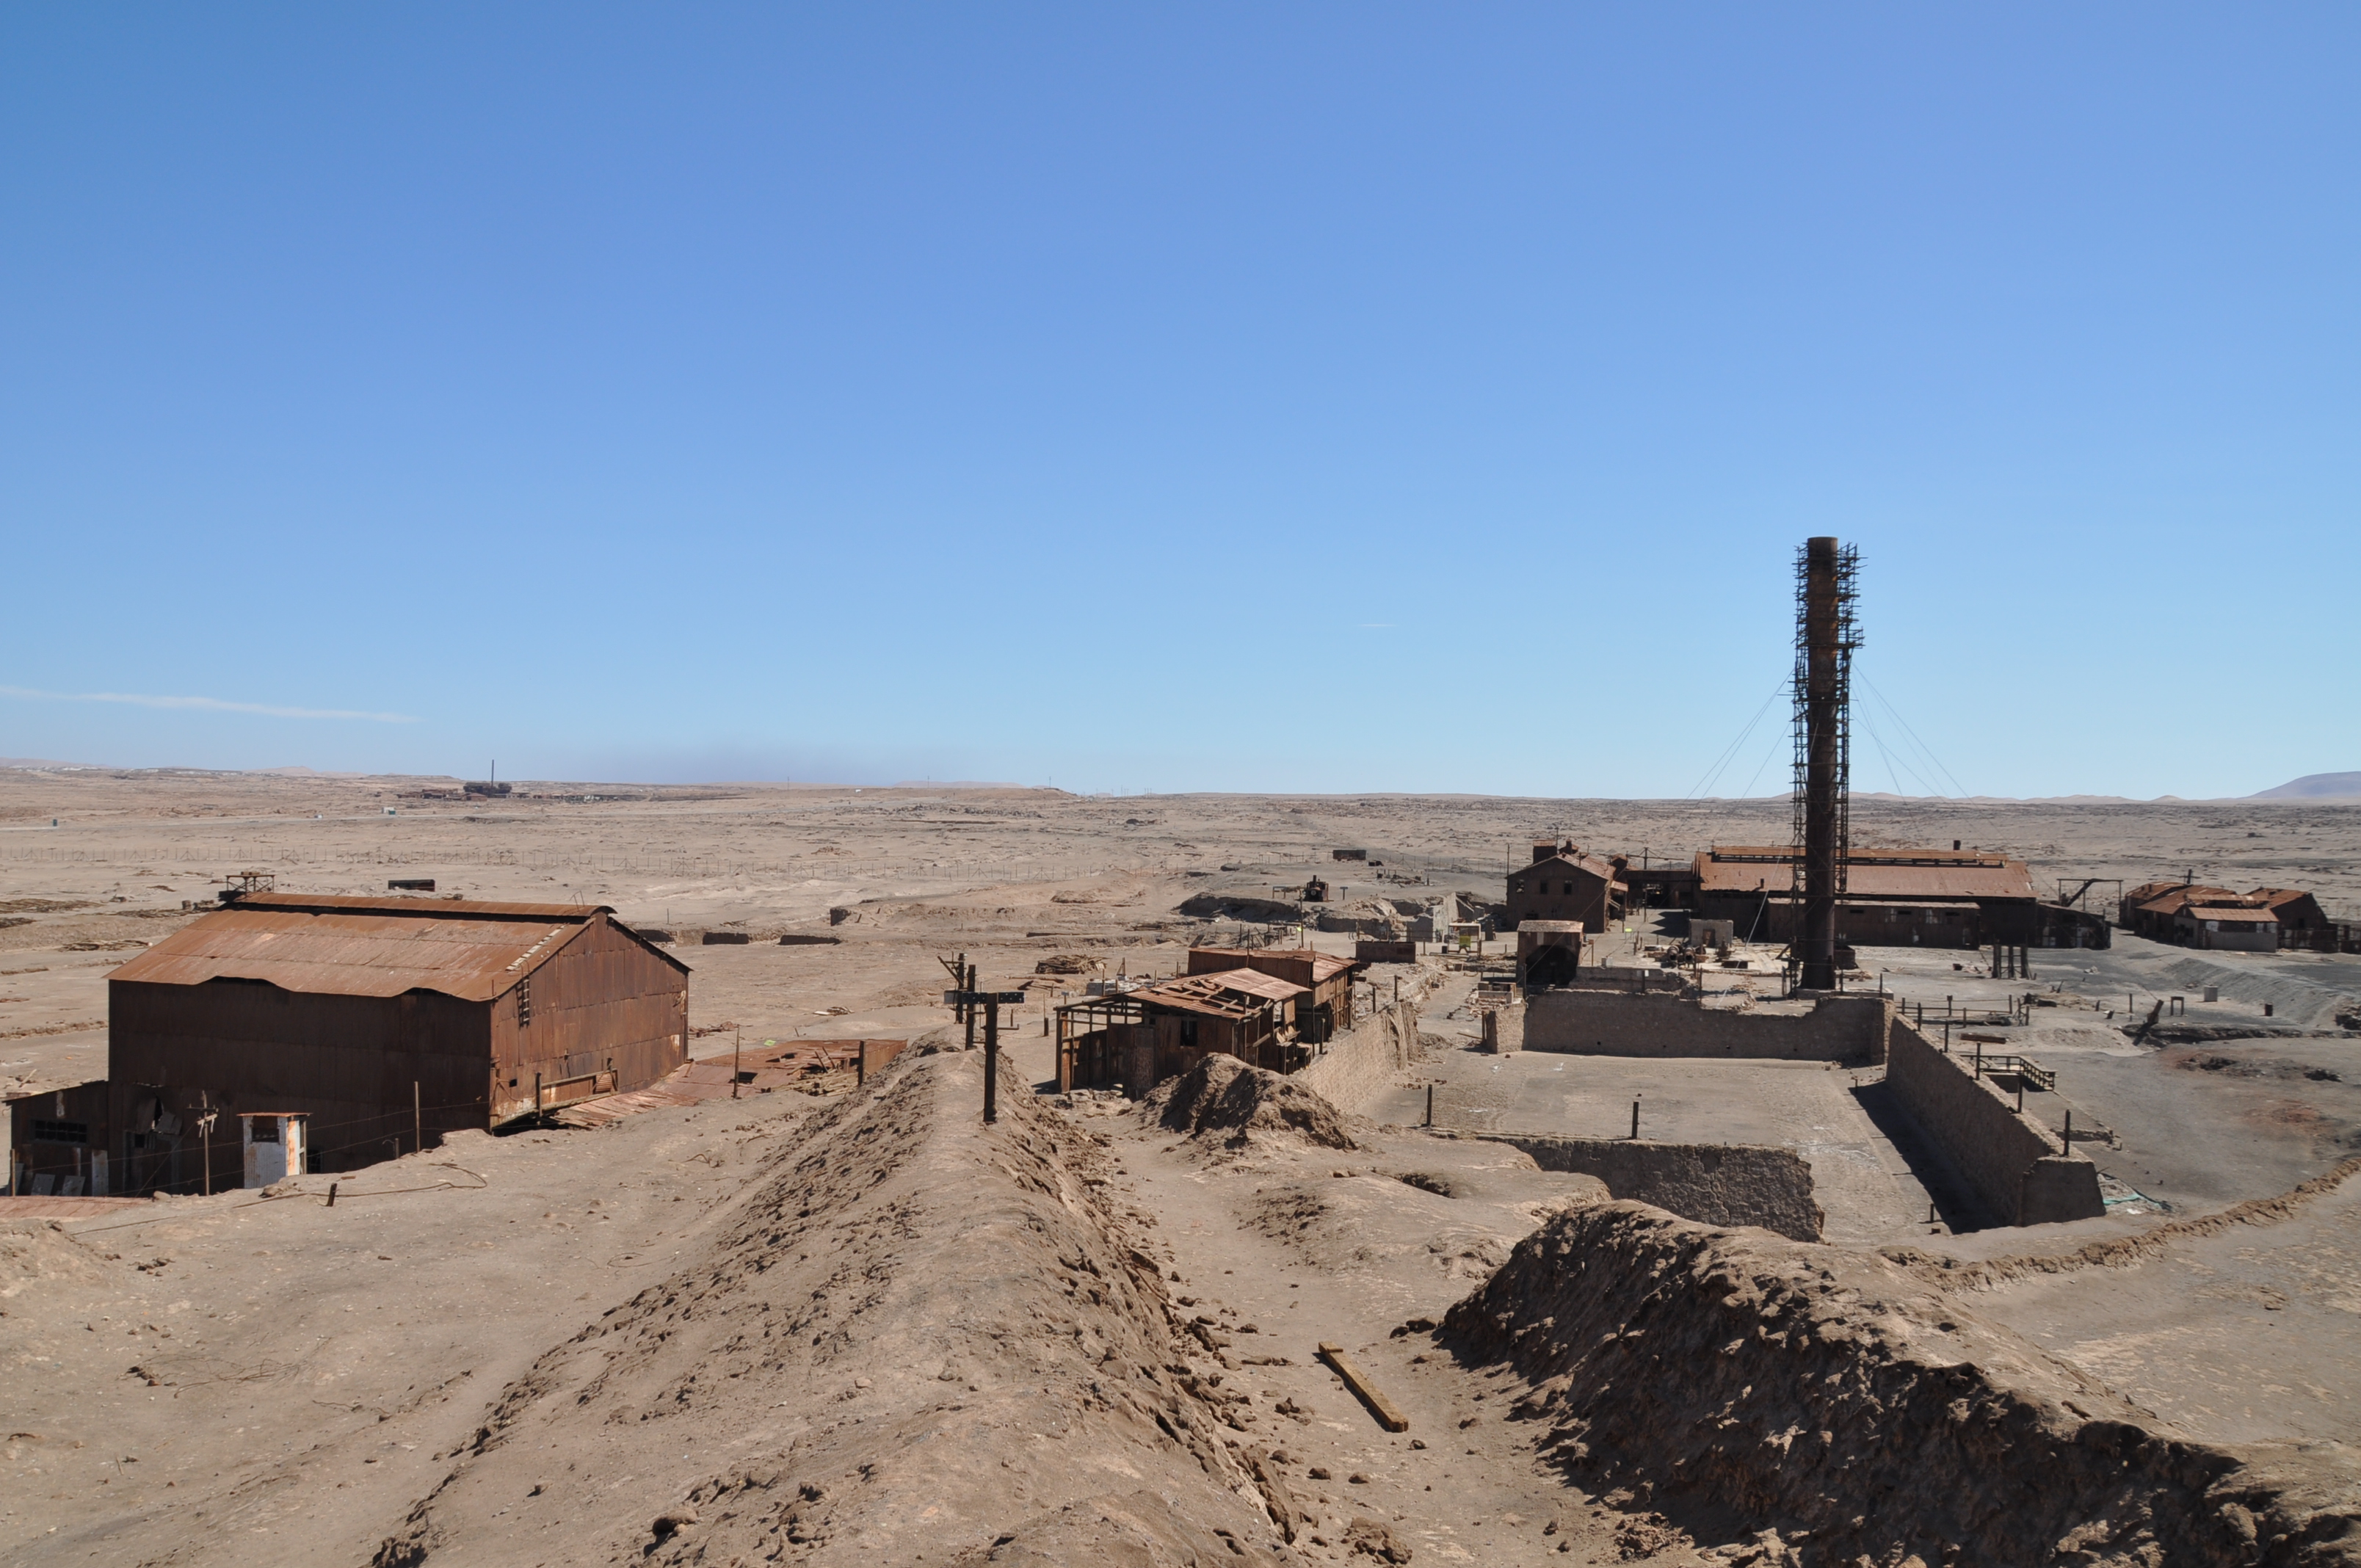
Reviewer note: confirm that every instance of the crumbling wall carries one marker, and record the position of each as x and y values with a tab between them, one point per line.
1624	1024
1366	1059
1717	1184
1741	1384
2018	1167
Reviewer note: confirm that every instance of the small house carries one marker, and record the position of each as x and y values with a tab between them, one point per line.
1561	883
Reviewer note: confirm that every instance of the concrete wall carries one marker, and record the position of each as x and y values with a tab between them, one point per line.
1366	1059
1614	1023
1716	1184
2017	1167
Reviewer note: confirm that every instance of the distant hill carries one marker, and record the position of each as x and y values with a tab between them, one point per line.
2315	786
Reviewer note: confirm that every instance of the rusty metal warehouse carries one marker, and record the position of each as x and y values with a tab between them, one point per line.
386	1021
1893	897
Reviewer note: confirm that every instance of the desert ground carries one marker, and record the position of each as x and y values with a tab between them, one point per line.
857	1325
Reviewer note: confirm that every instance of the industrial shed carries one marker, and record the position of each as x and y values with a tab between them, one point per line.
1892	898
1326	1013
388	1022
1137	1039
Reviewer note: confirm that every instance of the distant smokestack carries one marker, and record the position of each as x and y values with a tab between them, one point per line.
1824	645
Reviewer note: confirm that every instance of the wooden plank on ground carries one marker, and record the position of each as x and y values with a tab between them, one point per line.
1389	1415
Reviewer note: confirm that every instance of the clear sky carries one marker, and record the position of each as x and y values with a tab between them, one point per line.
1266	397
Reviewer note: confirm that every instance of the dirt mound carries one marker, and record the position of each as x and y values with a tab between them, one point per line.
1237	907
1834	1398
40	1251
912	1334
1222	1100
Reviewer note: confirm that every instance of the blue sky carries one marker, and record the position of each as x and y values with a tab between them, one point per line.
1350	398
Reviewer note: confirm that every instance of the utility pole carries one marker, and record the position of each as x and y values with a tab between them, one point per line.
967	998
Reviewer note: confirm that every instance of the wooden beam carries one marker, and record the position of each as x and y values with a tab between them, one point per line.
1389	1415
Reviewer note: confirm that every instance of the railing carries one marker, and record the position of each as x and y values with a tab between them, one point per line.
2023	1069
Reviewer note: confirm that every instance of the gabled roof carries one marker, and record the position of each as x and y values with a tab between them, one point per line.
1589	866
2170	898
370	946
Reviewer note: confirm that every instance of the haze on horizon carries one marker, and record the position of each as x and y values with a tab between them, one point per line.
1338	399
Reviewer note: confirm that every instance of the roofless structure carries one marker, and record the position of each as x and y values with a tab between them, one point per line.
383	1020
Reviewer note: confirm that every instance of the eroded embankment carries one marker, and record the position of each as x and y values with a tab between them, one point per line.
918	1334
1834	1398
2122	1251
1222	1103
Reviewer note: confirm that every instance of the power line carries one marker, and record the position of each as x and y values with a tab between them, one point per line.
1928	752
1731	751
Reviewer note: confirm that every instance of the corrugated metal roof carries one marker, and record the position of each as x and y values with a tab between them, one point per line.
1220	994
473	954
1254	982
1591	864
1872	873
1324	966
438	907
2175	897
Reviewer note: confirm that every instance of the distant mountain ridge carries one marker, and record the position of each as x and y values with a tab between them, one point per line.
2315	786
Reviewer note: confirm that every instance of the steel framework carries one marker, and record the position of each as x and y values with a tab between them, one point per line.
1826	636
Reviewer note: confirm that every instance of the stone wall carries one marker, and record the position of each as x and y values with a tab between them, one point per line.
1715	1184
1366	1059
2018	1167
1615	1023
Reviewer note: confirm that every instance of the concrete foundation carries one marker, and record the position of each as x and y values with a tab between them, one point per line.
1619	1024
2017	1167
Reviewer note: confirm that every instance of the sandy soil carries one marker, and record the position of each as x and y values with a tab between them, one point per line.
533	1349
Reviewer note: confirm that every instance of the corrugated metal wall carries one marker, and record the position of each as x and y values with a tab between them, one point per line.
349	1061
604	1005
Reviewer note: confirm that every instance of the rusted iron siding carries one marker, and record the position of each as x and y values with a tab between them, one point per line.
350	1061
602	1002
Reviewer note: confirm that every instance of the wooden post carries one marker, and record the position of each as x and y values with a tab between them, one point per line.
417	1120
737	1044
1388	1414
990	1062
860	1066
967	1009
2070	1132
1430	1105
1635	1121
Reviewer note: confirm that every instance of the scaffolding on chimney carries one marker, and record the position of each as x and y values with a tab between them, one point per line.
1826	636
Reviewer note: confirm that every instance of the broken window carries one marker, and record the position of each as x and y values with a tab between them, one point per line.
524	1001
51	1132
265	1130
